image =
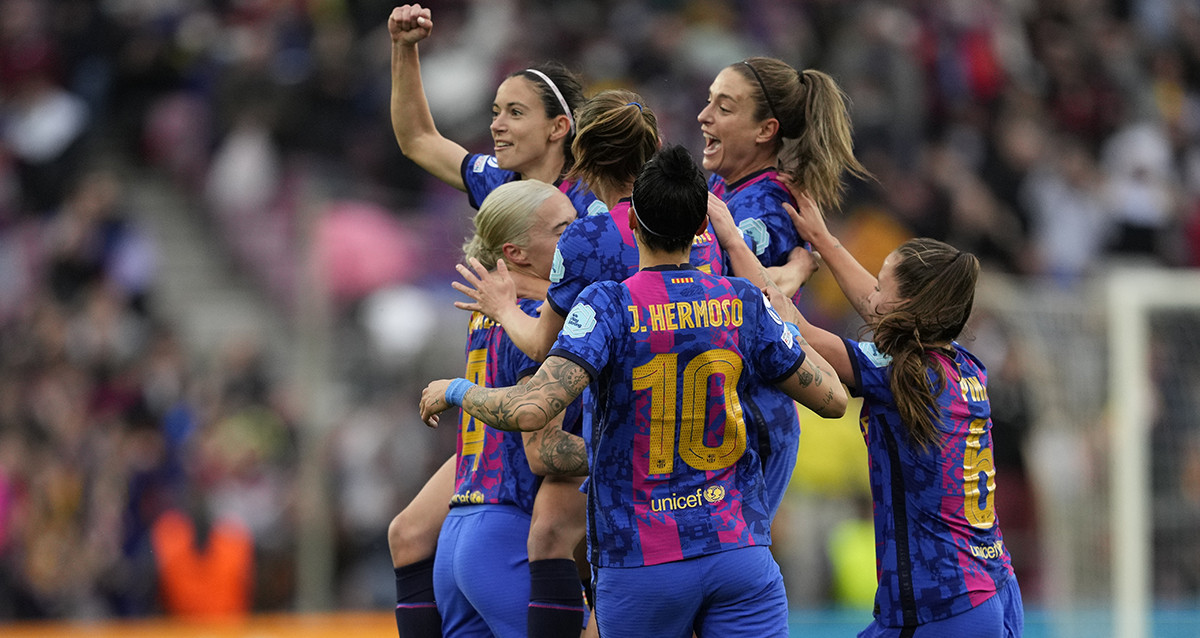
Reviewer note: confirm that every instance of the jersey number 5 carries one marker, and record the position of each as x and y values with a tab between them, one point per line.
661	376
470	429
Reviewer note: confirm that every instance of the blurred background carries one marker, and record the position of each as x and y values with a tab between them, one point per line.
222	287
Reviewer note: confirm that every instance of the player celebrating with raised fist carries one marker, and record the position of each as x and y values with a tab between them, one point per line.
678	524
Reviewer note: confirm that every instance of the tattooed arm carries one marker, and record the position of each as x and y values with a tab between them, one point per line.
829	348
553	452
815	385
525	407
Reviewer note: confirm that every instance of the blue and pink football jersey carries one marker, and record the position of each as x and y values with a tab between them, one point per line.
600	247
672	351
939	550
481	175
490	464
756	203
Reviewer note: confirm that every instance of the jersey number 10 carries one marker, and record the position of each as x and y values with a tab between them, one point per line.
661	376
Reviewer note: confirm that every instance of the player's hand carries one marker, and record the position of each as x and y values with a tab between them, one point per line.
807	217
722	221
409	24
801	265
782	304
495	293
433	401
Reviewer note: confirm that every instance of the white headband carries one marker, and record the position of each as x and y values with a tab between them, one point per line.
561	101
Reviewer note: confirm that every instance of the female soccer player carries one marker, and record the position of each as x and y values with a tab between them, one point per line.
943	567
532	127
678	527
764	120
533	121
481	572
618	133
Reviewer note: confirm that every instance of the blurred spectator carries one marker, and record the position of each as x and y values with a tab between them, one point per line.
1046	137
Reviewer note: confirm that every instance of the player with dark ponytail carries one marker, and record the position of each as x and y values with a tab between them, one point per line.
943	566
677	524
533	121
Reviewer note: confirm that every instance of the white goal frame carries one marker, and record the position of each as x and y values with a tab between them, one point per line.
1133	293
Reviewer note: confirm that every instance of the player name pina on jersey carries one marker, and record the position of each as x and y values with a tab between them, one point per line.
682	315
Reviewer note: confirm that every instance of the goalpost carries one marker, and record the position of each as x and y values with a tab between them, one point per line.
1111	368
1133	296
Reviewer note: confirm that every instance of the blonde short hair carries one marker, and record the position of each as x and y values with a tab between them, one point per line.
506	216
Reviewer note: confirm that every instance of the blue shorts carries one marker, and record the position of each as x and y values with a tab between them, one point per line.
481	571
1001	616
734	593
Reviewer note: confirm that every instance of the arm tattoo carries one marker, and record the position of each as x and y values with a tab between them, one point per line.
563	454
533	403
804	376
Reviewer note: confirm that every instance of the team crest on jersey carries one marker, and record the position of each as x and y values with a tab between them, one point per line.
597	207
557	270
756	230
878	358
580	322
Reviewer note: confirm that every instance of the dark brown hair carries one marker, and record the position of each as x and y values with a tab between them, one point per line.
569	86
617	134
815	143
936	284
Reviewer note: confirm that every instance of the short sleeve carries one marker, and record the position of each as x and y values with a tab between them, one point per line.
481	174
592	326
776	352
871	370
569	276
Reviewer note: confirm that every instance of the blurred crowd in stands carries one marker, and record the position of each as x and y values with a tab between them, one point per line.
1048	137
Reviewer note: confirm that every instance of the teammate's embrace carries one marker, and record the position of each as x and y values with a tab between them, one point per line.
672	349
942	564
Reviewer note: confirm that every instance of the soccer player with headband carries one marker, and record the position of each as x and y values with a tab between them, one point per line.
533	121
678	528
764	124
532	128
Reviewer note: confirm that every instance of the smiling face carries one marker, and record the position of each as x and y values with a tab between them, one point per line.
550	220
735	143
520	128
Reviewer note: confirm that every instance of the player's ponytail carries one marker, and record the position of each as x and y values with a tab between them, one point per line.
815	140
505	217
822	148
936	283
670	200
617	134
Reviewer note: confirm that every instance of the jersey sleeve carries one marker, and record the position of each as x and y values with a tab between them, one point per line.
591	328
515	364
481	175
766	226
776	352
568	277
871	374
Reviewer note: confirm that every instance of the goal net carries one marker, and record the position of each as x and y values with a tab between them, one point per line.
1109	369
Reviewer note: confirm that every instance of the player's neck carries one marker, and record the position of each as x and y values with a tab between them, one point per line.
648	258
548	170
529	286
610	195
